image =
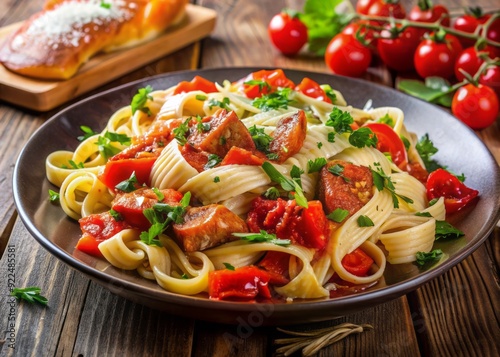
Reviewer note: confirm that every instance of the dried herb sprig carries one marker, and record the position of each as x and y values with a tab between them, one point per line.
310	342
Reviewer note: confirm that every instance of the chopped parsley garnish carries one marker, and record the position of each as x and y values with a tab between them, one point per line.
316	165
262	236
272	156
338	170
289	185
363	137
213	160
260	138
320	144
216	179
87	133
31	294
444	230
160	216
426	149
158	194
180	133
406	142
228	266
217	103
116	215
53	196
338	215
340	121
272	193
331	137
201	97
423	214
330	93
129	184
201	126
386	119
258	82
140	99
424	258
365	221
274	100
381	181
104	143
105	5
433	201
74	165
184	276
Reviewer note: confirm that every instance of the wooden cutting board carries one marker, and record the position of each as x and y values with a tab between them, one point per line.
43	95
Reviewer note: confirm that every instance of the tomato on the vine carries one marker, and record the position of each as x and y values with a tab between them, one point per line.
469	61
387	8
346	56
471	20
456	194
425	11
491	78
287	33
476	106
397	53
362	6
436	56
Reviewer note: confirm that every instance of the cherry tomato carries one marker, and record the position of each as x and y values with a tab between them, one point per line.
389	141
456	194
471	20
475	106
357	262
398	52
469	61
436	57
425	11
346	56
287	33
362	6
491	78
387	9
359	26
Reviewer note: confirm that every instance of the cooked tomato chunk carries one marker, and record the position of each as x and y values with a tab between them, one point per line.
208	226
225	131
348	187
196	158
239	156
289	136
308	227
132	205
277	265
97	228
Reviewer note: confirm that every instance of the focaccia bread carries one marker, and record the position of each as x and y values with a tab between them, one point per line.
56	42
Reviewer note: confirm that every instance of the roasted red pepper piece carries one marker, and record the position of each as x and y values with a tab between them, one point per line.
245	283
457	195
357	262
197	83
117	171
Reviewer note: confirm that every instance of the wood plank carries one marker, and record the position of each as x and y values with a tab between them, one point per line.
46	94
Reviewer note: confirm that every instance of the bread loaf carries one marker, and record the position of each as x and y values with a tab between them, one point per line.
56	42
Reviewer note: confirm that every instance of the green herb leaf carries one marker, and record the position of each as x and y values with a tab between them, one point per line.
435	90
104	143
76	166
180	133
184	276
426	149
216	179
330	93
289	185
158	194
423	214
105	5
258	82
213	160
382	181
262	236
228	266
87	133
386	119
260	138
272	193
217	103
340	121
53	196
31	294
129	184
338	215
338	170
363	137
316	165
423	258
274	100
445	230
365	221
116	215
201	97
140	99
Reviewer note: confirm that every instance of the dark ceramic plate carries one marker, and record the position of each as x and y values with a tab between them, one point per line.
459	148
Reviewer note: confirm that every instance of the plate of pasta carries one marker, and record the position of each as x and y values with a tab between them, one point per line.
229	194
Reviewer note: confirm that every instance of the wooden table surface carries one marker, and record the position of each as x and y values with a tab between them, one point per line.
456	314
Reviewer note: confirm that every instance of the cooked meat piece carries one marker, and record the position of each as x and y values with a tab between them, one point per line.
196	158
289	136
349	188
225	130
208	226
